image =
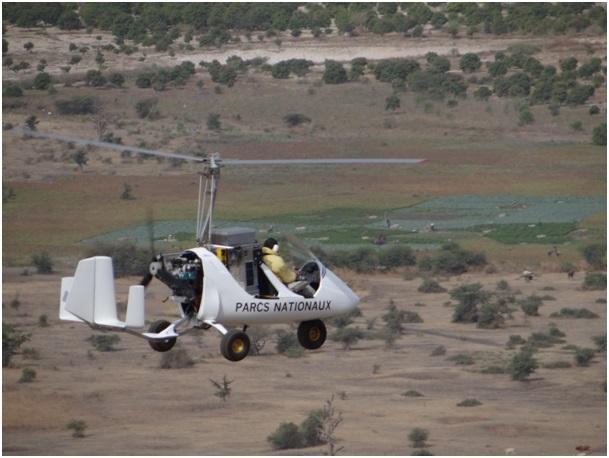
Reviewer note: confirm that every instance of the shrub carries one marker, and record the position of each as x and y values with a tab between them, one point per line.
392	102
69	20
595	282
334	73
462	359
27	375
95	78
43	321
311	429
43	263
347	336
422	452
147	108
596	255
223	388
285	341
583	356
103	342
11	342
28	46
117	79
515	340
12	90
389	70
430	286
589	68
483	93
600	342
469	63
530	305
296	119
176	358
470	402
286	436
599	134
523	364
490	316
469	297
417	437
127	258
412	394
567	312
78	428
78	105
577	126
569	64
579	94
397	256
525	118
213	121
440	350
557	365
42	81
281	70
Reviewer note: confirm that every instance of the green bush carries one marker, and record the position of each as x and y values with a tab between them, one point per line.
347	336
594	110
523	364
567	312
286	436
568	64
27	375
490	316
557	365
147	108
440	350
430	286
69	20
525	118
392	102
412	394
462	359
213	121
600	342
515	340
599	134
285	341
469	63
530	305
334	73
103	342
281	70
595	282
12	90
11	342
470	402
296	119
483	93
389	70
117	79
95	78
418	437
595	254
583	356
310	429
42	81
469	297
397	256
78	105
78	428
43	263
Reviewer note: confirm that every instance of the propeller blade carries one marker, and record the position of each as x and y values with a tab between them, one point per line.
319	161
107	145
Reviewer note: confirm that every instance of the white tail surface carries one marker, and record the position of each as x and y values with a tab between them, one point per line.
135	307
89	296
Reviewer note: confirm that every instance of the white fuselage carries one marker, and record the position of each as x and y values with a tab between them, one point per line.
226	301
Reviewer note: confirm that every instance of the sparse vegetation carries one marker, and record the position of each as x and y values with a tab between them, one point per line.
176	358
523	365
430	286
462	359
583	356
103	342
11	342
418	437
28	375
568	312
43	263
470	402
347	336
223	388
600	342
411	394
595	282
440	350
78	428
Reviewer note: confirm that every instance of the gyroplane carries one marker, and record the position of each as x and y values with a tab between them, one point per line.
222	283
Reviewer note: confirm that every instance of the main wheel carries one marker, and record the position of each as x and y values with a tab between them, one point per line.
312	334
161	345
235	345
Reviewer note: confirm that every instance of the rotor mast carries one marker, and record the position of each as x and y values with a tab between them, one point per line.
207	198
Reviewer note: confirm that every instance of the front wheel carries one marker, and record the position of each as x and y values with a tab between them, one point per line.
312	334
161	345
235	345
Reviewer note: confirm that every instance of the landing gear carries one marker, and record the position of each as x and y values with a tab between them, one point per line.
235	345
161	345
312	334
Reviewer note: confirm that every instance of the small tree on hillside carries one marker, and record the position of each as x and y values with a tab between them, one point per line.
470	63
80	159
334	73
469	298
28	46
523	364
223	389
392	102
213	121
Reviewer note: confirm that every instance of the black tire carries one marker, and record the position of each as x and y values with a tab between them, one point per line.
235	345
161	345
312	334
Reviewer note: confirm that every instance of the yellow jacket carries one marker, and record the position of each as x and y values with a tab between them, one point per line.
278	265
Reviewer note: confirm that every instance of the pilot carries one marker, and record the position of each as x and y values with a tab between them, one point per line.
270	256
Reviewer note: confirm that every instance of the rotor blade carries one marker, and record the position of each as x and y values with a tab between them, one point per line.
319	161
100	144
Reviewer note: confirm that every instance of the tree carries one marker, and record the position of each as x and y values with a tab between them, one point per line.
334	73
569	64
223	388
418	436
80	158
599	134
213	121
281	70
392	102
470	62
11	341
42	81
31	122
69	20
469	297
28	46
523	364
483	93
525	117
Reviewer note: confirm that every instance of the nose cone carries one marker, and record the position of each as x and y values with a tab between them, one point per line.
345	299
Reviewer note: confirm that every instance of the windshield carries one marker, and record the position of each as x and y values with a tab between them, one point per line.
296	253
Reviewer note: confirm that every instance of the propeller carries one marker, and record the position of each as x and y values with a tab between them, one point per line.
215	159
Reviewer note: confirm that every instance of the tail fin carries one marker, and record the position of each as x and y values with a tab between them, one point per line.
89	296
